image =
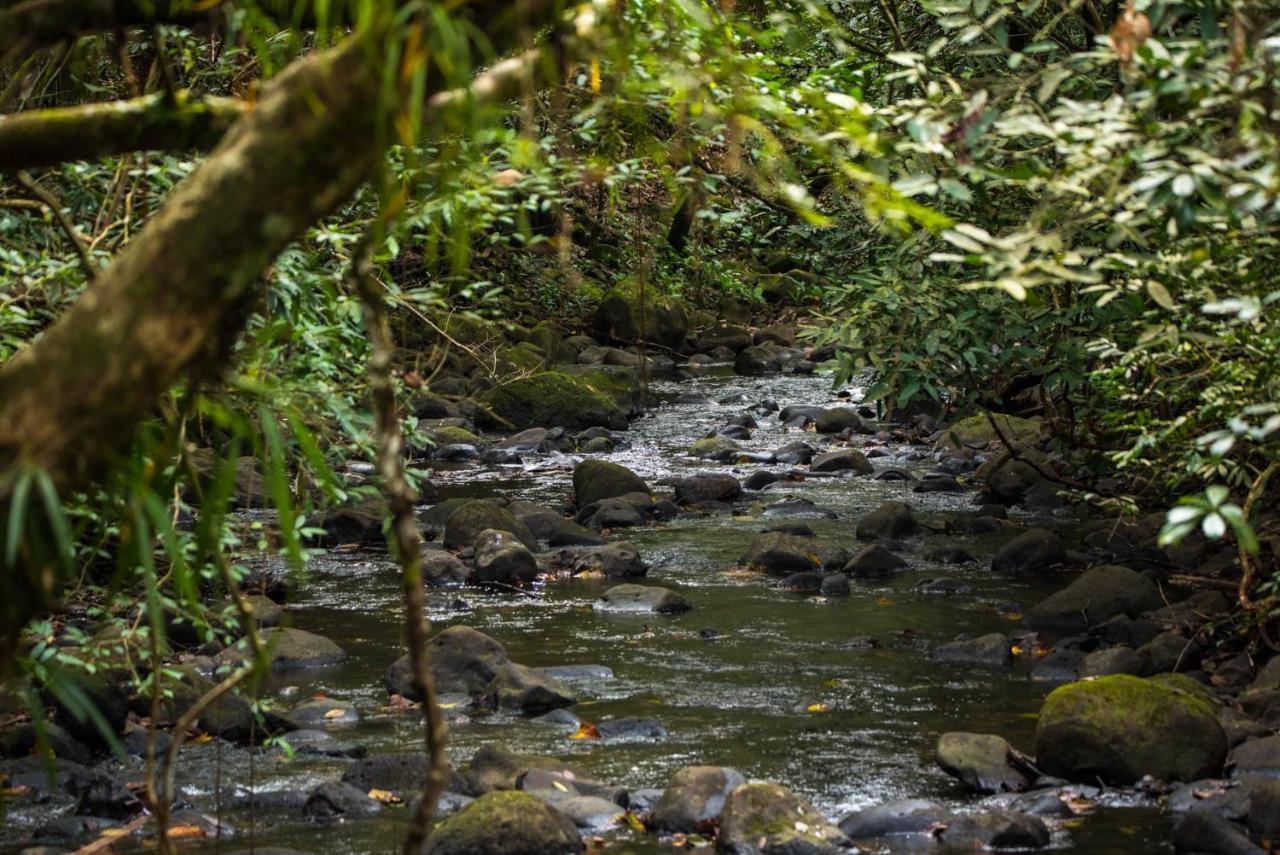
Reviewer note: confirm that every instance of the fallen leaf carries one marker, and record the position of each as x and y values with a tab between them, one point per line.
883	601
586	730
337	712
185	831
817	708
386	797
202	739
632	821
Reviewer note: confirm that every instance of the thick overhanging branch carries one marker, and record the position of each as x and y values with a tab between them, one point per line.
33	24
150	123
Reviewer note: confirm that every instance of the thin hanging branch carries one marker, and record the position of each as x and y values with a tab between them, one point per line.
54	204
405	537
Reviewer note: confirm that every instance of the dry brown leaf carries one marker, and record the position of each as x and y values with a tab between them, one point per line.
1131	29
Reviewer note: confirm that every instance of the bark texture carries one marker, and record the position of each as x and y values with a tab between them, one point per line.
152	122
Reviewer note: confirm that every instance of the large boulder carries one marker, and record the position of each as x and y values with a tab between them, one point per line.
1120	728
695	797
907	816
549	399
976	431
845	459
505	823
597	480
838	420
619	559
983	762
1033	550
554	530
768	819
642	599
628	314
495	768
470	518
1097	596
729	336
991	649
782	554
707	487
887	522
289	649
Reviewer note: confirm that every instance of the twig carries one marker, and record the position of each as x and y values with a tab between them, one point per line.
1248	572
55	207
405	535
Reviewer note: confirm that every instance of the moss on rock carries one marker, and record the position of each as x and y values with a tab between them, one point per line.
1120	728
550	399
509	822
625	314
977	430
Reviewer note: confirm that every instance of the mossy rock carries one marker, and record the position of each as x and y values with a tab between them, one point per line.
713	446
471	518
626	316
620	384
453	436
549	399
510	822
551	340
594	480
1120	728
771	820
977	431
522	358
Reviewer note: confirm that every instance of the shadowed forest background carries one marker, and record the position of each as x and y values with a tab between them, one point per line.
345	334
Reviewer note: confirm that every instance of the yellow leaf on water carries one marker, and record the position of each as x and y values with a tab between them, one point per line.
335	713
817	708
883	601
184	831
385	796
586	730
202	739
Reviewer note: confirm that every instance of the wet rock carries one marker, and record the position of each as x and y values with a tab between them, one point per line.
322	744
627	315
837	420
756	360
641	599
472	517
578	673
322	712
799	508
908	816
96	793
617	560
1059	666
976	524
983	762
289	649
554	530
802	583
950	555
760	479
874	562
1206	832
358	523
503	559
441	569
695	797
729	336
1032	551
890	520
1096	596
715	448
940	484
631	730
337	801
596	480
697	489
20	740
1009	480
1119	728
1112	660
995	830
1169	652
553	780
944	586
795	453
834	585
494	768
401	772
591	812
847	459
469	662
612	513
455	453
768	819
782	554
991	649
806	413
1123	629
505	823
1256	757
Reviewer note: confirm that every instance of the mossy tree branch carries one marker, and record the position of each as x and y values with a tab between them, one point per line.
150	123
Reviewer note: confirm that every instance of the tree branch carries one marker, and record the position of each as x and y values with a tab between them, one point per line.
150	123
33	24
50	201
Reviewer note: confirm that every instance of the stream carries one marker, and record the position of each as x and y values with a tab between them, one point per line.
774	694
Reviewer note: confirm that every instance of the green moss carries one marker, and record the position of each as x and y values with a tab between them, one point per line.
619	384
627	314
523	358
453	435
550	399
977	430
713	446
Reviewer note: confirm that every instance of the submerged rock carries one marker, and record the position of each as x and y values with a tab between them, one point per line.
995	830
783	554
1120	728
619	559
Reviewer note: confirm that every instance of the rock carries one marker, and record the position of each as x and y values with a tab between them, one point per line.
469	662
591	812
734	338
95	792
289	649
714	447
337	800
783	554
442	569
760	479
1096	596
950	555
802	583
889	521
995	830
756	360
613	513
1256	757
554	530
1111	660
795	453
1033	550
631	730
358	523
471	518
1205	832
767	819
945	586
535	440
401	772
505	823
983	762
322	712
796	412
578	673
597	480
20	740
1268	676
834	585
695	797
696	489
1119	728
839	461
550	399
493	768
976	431
777	334
908	816
1168	652
627	316
874	562
641	599
837	420
502	559
991	649
1010	482
617	560
321	744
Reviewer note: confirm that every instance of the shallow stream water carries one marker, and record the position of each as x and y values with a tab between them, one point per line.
743	700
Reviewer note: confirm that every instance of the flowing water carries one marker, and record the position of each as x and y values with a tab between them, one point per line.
743	700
